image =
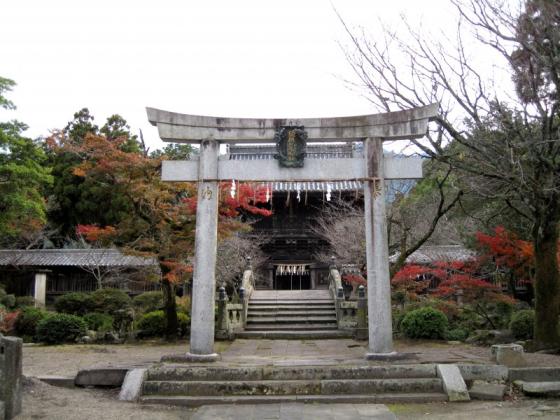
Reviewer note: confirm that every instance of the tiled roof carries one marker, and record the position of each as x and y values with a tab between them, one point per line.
432	253
72	258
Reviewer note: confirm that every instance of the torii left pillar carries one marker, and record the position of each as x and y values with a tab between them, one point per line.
206	240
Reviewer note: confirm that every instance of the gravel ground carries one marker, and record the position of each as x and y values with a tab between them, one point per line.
42	401
67	360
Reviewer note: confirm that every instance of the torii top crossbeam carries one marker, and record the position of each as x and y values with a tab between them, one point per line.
185	128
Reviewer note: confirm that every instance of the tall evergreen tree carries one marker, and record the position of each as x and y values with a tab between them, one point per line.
75	200
23	178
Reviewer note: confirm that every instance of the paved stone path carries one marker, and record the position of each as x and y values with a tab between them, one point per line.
295	411
340	351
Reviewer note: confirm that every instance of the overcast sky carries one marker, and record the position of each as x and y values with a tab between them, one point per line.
236	58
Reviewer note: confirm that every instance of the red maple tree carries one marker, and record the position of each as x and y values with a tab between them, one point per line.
162	220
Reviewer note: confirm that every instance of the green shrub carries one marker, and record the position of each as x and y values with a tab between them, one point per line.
505	309
75	303
456	334
522	323
6	300
99	322
183	304
9	301
148	302
29	318
184	323
153	324
469	320
425	322
397	317
60	328
22	301
109	301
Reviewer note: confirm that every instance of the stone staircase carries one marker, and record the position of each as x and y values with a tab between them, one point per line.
203	385
279	314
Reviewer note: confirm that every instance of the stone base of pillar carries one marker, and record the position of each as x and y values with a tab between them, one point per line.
389	356
191	358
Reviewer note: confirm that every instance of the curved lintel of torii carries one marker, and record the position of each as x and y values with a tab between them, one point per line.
186	128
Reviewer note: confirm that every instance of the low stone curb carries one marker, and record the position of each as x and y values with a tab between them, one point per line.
484	372
546	389
109	377
534	374
61	381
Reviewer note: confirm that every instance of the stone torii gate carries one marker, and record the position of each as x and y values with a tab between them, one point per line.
372	170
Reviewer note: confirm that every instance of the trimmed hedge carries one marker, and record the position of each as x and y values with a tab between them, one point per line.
522	324
61	328
9	301
23	301
28	319
148	302
109	301
456	334
75	303
425	322
153	324
99	322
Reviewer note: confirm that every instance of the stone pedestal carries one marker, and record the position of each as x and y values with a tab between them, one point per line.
510	355
377	253
361	326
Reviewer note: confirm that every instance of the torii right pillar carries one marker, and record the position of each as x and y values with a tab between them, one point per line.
380	327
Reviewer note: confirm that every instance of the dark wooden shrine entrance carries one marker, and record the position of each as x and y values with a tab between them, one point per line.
291	242
291	277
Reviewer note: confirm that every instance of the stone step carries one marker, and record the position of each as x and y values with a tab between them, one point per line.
276	399
289	387
254	302
295	308
291	327
290	313
292	294
542	389
290	319
180	372
295	335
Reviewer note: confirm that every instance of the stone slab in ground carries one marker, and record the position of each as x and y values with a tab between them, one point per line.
295	411
489	392
453	383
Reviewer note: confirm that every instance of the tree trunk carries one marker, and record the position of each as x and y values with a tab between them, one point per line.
169	306
547	283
